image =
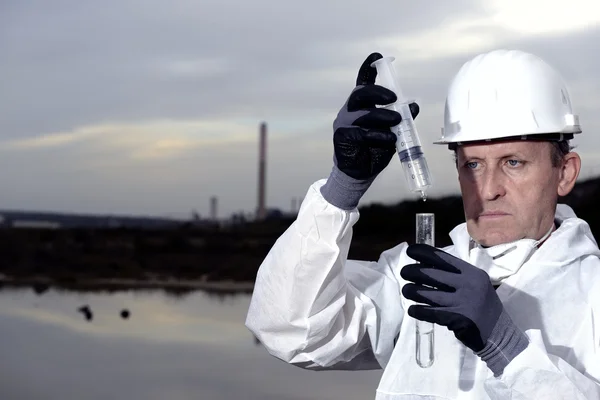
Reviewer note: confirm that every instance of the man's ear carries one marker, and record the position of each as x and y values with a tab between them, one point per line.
569	171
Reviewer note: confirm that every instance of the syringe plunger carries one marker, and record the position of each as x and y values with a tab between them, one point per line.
386	76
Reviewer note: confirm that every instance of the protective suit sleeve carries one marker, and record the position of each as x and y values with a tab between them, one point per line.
536	373
312	307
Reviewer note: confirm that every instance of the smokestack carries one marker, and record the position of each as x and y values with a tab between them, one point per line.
261	211
213	208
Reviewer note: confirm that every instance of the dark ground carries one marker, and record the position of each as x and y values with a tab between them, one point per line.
212	258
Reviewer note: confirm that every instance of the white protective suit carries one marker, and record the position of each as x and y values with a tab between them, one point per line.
313	308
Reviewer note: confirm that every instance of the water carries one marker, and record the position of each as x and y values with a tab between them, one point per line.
424	349
425	233
191	347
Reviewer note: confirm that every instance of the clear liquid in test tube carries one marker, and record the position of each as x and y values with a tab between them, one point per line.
425	330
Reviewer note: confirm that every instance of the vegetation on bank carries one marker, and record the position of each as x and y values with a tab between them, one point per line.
206	255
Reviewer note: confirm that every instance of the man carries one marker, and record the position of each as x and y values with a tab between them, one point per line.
515	299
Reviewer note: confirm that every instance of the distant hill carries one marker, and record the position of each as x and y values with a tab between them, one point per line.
66	220
377	220
172	251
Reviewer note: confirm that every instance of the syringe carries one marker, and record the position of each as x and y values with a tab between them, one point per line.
408	144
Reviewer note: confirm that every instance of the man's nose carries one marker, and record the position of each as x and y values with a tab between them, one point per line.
492	184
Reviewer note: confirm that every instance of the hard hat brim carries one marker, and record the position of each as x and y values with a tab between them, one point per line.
550	137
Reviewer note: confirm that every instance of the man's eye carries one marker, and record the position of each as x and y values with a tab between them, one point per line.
471	165
514	163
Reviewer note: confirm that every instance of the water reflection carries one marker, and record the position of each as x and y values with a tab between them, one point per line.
87	312
148	345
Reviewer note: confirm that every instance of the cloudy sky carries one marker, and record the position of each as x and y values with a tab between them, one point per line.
151	107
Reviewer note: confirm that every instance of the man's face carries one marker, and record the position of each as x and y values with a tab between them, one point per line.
509	190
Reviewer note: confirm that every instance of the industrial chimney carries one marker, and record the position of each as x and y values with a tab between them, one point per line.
261	211
213	208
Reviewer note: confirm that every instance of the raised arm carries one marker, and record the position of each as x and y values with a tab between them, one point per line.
311	306
314	308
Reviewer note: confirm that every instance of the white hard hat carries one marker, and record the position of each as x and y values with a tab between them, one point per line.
505	94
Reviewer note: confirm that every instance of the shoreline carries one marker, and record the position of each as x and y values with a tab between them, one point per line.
41	284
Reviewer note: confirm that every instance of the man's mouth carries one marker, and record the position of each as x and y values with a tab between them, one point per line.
493	214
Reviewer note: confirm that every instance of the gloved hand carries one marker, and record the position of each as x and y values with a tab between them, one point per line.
461	297
363	141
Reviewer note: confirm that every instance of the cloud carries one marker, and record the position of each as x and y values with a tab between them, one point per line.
150	107
190	68
133	60
48	140
144	139
540	17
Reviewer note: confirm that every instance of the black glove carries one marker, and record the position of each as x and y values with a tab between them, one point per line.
363	141
461	297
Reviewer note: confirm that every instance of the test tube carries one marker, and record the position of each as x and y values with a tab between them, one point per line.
425	330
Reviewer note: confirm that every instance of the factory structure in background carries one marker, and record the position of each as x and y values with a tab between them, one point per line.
261	210
213	208
51	220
